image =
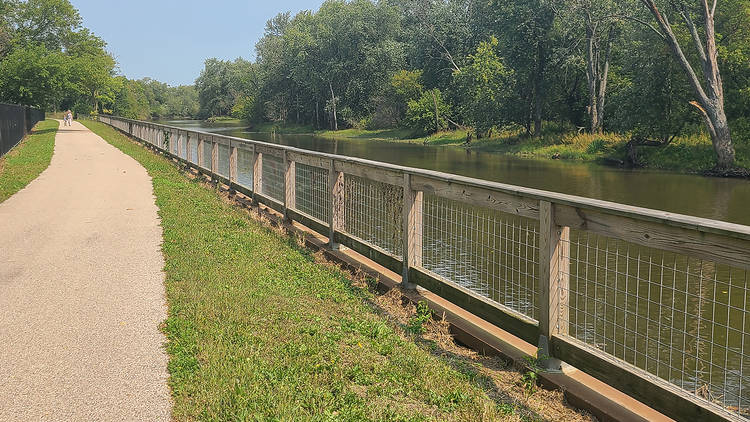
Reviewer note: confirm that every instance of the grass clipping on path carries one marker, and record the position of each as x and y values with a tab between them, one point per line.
258	330
28	159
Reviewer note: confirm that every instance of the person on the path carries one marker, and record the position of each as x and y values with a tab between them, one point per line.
69	117
65	119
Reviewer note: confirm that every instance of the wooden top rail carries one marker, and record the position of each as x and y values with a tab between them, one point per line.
709	239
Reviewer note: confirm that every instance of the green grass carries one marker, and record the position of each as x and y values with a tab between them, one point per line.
258	331
224	119
268	127
28	159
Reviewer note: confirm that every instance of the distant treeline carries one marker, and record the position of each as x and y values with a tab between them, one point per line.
656	69
48	60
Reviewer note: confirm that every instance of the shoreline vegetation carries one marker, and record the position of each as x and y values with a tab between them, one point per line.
261	328
689	154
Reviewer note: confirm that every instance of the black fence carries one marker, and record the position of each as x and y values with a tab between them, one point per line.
15	122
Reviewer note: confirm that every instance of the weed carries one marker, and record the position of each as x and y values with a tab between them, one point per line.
416	324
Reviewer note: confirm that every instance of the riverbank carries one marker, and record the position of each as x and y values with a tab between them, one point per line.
28	159
258	328
686	154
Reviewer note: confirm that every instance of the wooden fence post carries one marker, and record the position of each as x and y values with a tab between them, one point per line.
336	202
232	164
257	174
200	151
188	149
412	231
290	182
214	158
554	279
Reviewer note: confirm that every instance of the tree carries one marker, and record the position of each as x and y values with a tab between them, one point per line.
485	86
45	22
428	113
710	98
526	31
92	68
34	76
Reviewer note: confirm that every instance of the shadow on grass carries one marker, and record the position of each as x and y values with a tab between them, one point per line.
43	131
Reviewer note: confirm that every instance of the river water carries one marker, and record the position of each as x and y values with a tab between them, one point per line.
684	320
709	197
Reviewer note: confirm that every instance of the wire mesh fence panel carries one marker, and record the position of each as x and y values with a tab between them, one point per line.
373	212
223	160
245	168
682	319
173	144
184	148
194	149
312	194
273	177
492	253
207	149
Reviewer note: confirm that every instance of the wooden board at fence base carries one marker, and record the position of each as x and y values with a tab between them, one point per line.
520	326
372	252
650	390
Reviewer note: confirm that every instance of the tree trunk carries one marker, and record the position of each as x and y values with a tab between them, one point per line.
592	72
539	88
333	104
603	78
710	101
437	115
597	72
317	116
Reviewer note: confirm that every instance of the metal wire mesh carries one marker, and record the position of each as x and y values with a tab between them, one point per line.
207	148
193	149
682	319
312	194
489	252
245	168
273	177
373	212
223	160
183	147
173	144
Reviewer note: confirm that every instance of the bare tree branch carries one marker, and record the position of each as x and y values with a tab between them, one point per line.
671	40
642	22
694	33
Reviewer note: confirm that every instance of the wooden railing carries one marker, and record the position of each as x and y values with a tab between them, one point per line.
653	303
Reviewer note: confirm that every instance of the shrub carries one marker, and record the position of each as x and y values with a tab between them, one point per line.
420	114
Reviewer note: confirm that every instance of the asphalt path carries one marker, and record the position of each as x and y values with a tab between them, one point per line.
82	290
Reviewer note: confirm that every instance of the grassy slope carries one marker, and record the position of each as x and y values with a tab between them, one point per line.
258	330
28	159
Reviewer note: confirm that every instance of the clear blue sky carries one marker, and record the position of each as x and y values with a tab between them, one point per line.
168	40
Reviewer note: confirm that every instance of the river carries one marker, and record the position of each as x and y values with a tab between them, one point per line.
709	197
681	319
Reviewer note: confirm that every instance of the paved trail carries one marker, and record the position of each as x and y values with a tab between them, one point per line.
82	290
